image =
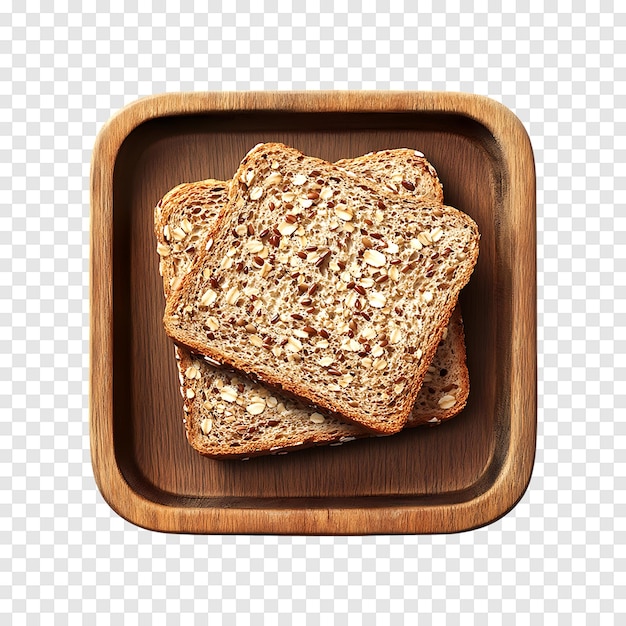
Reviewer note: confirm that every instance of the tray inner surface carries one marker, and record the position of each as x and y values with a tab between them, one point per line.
450	463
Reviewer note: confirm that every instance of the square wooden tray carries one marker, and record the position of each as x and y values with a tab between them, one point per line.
460	475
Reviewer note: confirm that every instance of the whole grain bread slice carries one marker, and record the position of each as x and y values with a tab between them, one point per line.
298	259
224	428
399	171
182	219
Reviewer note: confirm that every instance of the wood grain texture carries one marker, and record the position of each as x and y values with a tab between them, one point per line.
460	475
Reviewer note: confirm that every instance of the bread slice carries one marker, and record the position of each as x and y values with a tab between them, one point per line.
219	429
321	284
400	171
181	220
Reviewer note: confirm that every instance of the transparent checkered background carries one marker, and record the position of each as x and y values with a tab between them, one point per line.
557	558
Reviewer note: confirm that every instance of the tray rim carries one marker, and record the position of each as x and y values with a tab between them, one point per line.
515	471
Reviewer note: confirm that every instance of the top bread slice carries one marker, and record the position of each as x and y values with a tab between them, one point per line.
319	283
222	412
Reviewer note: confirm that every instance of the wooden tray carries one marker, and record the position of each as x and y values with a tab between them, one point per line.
458	476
